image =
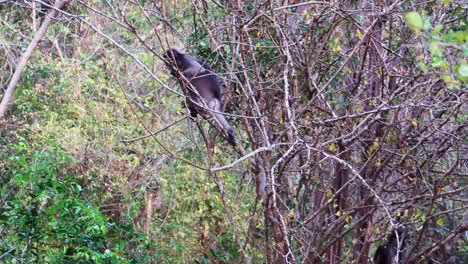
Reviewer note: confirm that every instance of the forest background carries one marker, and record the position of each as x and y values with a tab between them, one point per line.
350	118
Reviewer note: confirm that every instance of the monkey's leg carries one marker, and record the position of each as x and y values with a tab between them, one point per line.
193	111
215	105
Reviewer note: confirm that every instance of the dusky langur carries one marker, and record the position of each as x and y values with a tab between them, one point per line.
202	85
392	250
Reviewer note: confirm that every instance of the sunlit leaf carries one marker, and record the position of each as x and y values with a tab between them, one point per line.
359	34
423	67
463	70
437	29
348	218
415	21
427	24
435	49
332	148
438	62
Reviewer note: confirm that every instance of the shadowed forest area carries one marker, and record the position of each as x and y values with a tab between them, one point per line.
350	119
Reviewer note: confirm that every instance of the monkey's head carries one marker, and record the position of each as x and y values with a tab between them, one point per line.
174	60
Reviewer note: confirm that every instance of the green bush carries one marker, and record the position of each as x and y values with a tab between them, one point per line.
44	218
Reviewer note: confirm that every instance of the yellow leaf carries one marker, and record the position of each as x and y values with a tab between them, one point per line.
415	21
376	143
378	162
336	48
291	213
440	222
377	230
359	34
348	218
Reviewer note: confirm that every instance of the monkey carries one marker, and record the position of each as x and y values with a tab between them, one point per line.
387	253
202	85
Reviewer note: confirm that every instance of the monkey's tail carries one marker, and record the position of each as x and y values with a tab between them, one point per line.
230	132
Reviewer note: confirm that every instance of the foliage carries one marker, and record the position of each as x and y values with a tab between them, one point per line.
45	219
448	46
351	119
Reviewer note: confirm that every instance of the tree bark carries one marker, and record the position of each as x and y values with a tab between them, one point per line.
51	15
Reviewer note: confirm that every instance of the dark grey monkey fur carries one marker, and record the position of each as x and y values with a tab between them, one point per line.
386	253
201	77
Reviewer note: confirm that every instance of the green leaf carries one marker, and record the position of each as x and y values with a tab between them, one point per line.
435	49
447	78
437	30
423	67
342	101
463	70
427	24
439	62
332	148
415	21
440	222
